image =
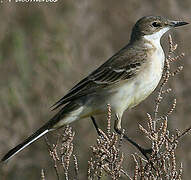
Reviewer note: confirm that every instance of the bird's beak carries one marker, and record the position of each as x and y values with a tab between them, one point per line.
177	23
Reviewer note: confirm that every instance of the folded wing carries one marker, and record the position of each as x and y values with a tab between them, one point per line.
122	66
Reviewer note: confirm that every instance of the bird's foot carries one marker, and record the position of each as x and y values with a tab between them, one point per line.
144	152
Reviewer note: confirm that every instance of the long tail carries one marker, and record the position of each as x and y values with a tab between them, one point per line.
40	132
50	125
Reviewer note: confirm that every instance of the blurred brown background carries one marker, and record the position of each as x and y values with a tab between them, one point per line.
45	48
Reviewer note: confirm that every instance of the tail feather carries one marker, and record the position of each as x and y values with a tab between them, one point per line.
43	130
52	124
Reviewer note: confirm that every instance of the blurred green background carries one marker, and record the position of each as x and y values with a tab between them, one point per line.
45	48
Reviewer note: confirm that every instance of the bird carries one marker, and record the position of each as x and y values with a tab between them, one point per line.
123	81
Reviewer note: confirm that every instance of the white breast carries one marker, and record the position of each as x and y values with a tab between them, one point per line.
141	86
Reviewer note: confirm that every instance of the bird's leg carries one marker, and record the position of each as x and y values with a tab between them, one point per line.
117	128
95	125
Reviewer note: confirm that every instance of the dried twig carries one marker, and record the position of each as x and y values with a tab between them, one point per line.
62	151
164	145
53	155
42	175
106	158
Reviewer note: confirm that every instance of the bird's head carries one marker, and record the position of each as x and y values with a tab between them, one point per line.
153	26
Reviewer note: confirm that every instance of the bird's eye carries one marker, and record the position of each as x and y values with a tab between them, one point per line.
156	24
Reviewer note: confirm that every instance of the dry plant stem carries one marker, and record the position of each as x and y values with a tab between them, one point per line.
184	133
53	155
136	168
62	151
109	120
163	144
166	75
144	151
67	149
106	158
76	167
42	175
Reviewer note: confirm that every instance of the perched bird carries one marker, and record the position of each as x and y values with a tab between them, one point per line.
123	81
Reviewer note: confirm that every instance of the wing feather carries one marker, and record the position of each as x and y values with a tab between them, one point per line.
122	66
